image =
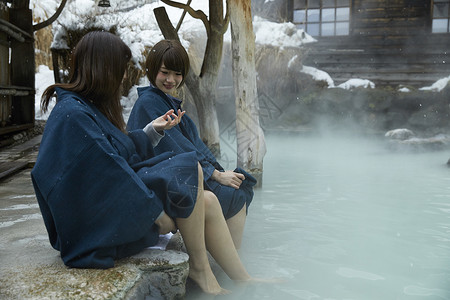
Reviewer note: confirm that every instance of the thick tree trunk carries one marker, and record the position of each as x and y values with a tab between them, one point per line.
203	93
251	146
206	102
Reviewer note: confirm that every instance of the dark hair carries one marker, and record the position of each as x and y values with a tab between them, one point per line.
98	65
172	54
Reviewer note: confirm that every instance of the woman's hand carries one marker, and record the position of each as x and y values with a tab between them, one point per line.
165	224
167	121
228	178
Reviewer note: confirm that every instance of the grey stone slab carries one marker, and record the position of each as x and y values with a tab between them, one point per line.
31	269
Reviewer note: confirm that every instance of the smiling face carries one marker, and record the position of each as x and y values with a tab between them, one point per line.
167	65
168	80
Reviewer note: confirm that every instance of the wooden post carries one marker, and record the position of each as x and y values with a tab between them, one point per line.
22	63
5	101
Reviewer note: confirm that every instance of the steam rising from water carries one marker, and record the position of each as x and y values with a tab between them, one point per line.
344	217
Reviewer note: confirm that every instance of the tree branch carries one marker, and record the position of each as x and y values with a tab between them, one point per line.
52	18
182	17
226	20
164	24
196	14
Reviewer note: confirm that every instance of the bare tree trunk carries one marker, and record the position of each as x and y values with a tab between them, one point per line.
204	85
251	145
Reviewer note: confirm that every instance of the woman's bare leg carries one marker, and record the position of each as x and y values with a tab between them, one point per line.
192	230
236	226
219	242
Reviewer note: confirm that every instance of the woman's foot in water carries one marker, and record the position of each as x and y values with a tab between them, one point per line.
206	280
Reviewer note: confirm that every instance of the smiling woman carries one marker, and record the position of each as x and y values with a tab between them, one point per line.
167	58
167	66
168	80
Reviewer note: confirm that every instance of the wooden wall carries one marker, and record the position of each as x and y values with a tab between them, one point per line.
390	43
390	17
17	84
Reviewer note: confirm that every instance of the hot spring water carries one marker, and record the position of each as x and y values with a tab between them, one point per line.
346	218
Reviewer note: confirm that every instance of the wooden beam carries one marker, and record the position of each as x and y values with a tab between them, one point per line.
15	128
15	31
22	66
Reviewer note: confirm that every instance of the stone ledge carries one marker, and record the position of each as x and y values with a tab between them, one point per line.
156	273
31	269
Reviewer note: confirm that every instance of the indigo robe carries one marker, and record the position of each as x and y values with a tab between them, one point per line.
152	103
101	190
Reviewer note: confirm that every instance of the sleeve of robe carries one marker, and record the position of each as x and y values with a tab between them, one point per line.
95	208
180	139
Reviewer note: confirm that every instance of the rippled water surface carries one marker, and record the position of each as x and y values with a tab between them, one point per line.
347	218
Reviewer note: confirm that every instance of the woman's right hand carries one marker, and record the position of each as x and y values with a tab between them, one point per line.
167	121
165	224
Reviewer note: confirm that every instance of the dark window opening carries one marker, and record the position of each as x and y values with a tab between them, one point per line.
441	16
322	17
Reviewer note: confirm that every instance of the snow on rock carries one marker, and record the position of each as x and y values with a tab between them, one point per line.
399	134
318	75
279	34
438	85
355	83
404	89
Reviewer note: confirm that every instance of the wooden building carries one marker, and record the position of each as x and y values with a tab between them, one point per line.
391	42
17	68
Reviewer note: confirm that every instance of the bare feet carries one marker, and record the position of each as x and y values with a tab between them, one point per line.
207	282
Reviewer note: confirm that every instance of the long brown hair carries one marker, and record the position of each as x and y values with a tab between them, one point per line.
172	54
98	65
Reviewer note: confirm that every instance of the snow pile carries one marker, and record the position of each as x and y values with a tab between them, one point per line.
404	89
279	34
318	75
44	78
438	85
356	83
350	84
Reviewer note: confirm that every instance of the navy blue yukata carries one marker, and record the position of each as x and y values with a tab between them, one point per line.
101	190
152	103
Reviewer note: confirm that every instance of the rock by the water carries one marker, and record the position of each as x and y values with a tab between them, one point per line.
400	134
31	269
405	139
